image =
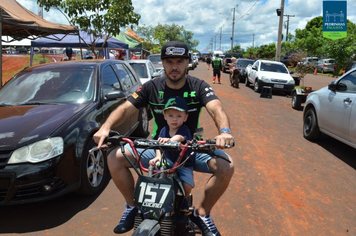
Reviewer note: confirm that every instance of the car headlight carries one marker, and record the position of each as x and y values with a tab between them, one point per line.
38	151
265	79
291	82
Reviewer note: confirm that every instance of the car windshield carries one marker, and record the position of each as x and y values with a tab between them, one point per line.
155	58
244	63
140	69
272	67
330	61
61	84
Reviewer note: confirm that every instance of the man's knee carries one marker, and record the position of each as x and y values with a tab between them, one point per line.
115	159
224	166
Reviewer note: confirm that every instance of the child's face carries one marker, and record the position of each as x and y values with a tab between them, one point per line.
175	118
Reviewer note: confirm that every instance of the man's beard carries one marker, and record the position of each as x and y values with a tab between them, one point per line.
177	80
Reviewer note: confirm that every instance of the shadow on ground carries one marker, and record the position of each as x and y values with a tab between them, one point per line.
42	216
342	151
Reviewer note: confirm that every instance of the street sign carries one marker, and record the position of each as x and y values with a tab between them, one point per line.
334	19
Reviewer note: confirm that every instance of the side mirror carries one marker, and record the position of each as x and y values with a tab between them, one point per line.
332	86
156	74
113	95
254	68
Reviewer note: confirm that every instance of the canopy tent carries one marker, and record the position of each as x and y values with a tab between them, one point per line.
131	38
132	43
72	40
19	23
81	40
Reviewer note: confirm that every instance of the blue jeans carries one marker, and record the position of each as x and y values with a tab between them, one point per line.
186	174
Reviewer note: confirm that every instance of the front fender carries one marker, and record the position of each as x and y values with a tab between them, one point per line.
147	227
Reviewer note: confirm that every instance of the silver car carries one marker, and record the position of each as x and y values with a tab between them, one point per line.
326	65
144	69
332	110
156	61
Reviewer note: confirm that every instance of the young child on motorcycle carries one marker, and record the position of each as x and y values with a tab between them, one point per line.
175	113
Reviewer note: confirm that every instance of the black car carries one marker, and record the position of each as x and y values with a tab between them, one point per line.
48	115
239	74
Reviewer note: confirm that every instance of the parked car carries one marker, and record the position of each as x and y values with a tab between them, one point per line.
239	73
326	65
144	69
48	115
226	64
332	110
270	73
156	61
309	61
192	64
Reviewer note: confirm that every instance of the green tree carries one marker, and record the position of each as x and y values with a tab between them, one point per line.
156	36
266	51
102	18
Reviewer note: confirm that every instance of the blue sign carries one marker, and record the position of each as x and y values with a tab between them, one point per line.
334	19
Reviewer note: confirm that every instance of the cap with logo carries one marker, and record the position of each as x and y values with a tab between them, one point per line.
176	103
175	49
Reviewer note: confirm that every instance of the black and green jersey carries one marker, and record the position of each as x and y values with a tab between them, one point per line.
155	93
216	63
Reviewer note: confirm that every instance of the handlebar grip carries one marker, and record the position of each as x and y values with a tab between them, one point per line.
213	141
114	138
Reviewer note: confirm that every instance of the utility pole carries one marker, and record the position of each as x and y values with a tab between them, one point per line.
253	40
233	29
220	36
288	25
280	13
215	42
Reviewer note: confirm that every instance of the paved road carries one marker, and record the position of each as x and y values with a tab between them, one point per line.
283	184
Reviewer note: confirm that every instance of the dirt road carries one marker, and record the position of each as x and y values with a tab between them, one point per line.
283	184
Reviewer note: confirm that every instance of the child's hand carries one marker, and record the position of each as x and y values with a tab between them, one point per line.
163	140
154	160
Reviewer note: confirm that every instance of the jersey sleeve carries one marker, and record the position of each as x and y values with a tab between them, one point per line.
139	98
206	92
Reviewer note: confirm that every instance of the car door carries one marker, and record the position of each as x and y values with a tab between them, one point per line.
253	72
351	88
336	108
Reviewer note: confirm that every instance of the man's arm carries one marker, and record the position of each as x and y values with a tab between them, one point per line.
120	114
221	120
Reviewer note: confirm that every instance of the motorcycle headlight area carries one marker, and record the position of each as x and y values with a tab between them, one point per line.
37	152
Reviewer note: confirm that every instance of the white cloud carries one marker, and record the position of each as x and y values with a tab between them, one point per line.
256	21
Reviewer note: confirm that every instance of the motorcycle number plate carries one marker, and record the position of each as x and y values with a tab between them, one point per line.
154	196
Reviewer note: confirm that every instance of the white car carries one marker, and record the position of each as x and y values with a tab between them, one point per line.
332	110
270	73
144	69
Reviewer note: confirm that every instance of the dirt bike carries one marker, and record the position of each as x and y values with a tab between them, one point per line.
159	195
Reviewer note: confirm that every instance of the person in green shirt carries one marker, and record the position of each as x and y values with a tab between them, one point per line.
217	67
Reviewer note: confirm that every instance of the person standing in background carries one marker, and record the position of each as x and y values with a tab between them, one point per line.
217	67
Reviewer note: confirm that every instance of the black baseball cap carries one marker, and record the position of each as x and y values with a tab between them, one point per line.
175	49
176	103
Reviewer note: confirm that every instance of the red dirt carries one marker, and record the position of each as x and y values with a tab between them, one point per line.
11	64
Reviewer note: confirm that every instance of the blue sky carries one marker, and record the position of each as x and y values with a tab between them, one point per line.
256	22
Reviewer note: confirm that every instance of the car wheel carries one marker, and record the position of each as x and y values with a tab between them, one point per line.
256	86
142	128
247	82
310	125
95	174
296	101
